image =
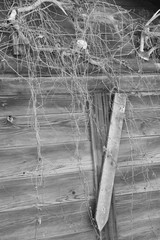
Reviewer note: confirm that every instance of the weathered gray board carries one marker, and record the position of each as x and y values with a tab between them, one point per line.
110	161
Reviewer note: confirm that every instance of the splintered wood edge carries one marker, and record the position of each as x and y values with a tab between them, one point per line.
110	161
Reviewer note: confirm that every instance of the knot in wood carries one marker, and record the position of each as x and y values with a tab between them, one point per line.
10	119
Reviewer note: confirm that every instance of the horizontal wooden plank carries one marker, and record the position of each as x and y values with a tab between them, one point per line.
139	101
57	159
140	81
13	86
142	123
142	116
138	216
135	82
139	151
52	129
76	236
132	64
43	120
137	179
45	222
142	230
126	64
22	192
141	205
22	104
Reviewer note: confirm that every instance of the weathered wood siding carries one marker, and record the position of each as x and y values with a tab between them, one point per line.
137	183
67	189
60	208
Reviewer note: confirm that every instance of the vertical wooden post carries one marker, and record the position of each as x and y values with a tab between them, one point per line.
99	126
110	161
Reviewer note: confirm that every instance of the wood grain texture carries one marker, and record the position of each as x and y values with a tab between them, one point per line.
99	130
45	222
138	82
126	65
110	161
53	129
142	116
142	123
138	216
134	83
142	100
22	192
19	86
22	104
99	124
133	64
137	179
57	159
78	236
48	200
139	151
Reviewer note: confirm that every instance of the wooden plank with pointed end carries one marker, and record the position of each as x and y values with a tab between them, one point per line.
110	161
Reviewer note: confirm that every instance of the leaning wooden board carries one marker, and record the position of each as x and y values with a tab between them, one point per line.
110	161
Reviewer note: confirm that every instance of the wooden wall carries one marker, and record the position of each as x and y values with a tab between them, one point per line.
60	208
137	182
53	201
